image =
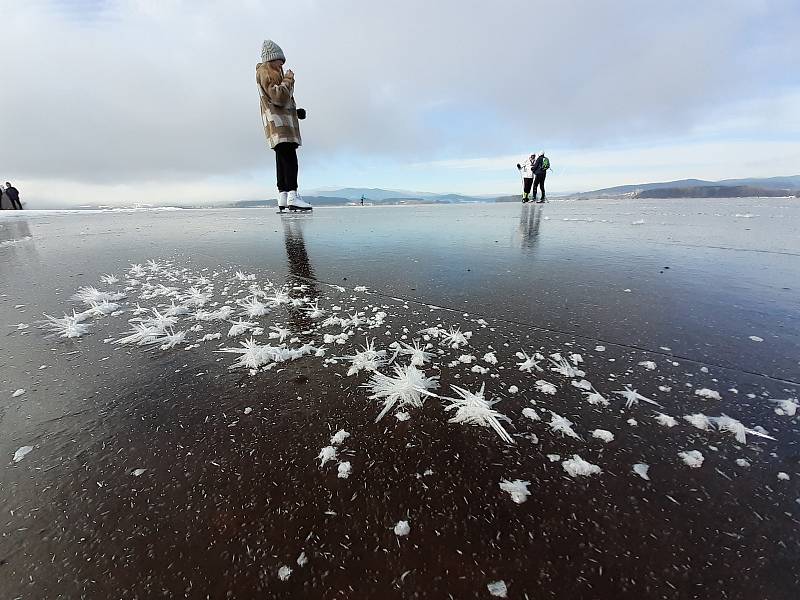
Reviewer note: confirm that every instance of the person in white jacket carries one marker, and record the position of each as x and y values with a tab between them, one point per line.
526	170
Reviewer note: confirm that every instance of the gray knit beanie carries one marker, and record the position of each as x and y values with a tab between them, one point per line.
271	51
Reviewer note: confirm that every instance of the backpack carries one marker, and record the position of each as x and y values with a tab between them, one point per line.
545	163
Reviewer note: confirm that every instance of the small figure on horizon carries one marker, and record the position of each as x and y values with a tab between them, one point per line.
279	116
362	199
526	170
540	168
12	194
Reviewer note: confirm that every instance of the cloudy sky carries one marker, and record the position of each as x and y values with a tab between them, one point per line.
118	101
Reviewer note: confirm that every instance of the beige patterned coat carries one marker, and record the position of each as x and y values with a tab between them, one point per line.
278	110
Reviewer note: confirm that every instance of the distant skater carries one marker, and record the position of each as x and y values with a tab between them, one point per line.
540	168
279	116
12	194
526	170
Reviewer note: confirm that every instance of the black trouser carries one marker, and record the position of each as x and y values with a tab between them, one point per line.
526	185
286	166
15	203
539	182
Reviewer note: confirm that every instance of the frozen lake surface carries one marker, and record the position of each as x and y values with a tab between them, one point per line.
159	465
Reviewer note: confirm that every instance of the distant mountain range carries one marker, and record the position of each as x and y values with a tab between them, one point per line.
698	188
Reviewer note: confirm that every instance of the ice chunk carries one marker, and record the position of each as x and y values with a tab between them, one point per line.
138	472
708	394
693	458
545	387
602	434
284	573
665	420
518	489
328	453
21	453
344	469
498	589
402	528
531	414
339	437
641	470
576	466
18	393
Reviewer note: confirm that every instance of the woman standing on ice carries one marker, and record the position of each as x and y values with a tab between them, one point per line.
279	115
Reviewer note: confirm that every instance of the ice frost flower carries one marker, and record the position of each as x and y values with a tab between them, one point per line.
786	407
368	359
254	355
563	367
576	466
698	420
545	387
518	489
666	420
89	294
66	326
529	362
314	311
253	307
406	388
239	327
562	425
632	397
455	338
737	428
473	409
140	334
418	356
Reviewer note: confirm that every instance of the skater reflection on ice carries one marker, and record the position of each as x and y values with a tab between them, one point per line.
301	280
529	221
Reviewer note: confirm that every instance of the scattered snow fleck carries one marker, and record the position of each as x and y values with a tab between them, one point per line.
553	457
666	420
302	560
490	358
248	410
576	466
698	420
21	453
783	476
742	462
344	469
755	338
708	394
531	414
693	458
648	364
498	589
513	389
602	434
402	416
18	393
138	472
545	387
787	407
328	453
641	470
339	437
600	348
284	572
518	489
402	528
632	422
664	388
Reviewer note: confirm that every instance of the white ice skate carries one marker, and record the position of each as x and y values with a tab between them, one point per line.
297	203
283	200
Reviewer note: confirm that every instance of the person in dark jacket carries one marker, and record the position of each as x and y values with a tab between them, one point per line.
539	173
13	196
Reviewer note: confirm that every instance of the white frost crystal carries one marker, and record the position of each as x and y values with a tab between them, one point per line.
518	489
22	453
708	394
545	387
562	425
576	466
338	437
641	470
474	409
328	453
498	589
602	434
284	573
693	458
665	420
406	388
402	528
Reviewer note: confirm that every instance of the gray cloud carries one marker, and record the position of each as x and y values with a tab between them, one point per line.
122	91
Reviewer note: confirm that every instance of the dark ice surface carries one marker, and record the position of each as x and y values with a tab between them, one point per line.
666	297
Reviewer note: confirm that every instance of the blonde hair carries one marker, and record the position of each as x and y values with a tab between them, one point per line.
274	76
